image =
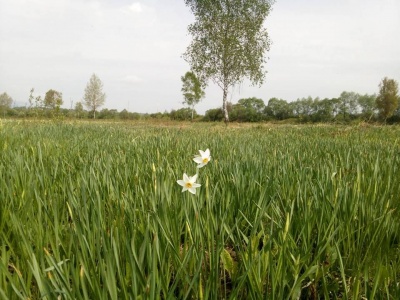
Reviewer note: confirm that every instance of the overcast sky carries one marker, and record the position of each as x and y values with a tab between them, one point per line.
319	48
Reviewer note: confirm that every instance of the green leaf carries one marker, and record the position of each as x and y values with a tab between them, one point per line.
229	264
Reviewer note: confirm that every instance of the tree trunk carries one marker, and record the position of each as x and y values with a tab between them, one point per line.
225	105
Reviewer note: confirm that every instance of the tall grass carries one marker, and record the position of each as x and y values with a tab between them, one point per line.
93	211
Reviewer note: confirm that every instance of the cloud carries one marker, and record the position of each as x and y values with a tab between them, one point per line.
131	79
136	7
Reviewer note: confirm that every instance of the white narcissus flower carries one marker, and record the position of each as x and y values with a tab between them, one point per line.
203	158
189	183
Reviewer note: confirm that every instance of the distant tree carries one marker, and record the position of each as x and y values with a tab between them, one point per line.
367	104
31	98
308	107
192	90
79	112
348	104
35	104
106	113
124	115
323	110
335	106
229	42
294	108
238	113
249	109
214	115
94	97
302	108
253	103
387	100
53	99
182	114
5	101
277	109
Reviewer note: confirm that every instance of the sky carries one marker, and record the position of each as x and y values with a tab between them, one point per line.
320	48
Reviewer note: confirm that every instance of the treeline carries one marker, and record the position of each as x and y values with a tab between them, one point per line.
42	112
349	106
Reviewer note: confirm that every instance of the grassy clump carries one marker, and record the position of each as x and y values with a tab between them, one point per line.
93	211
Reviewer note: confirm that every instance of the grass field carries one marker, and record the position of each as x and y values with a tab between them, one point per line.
94	211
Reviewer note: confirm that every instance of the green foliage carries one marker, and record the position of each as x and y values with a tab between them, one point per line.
93	211
52	103
106	113
125	115
35	104
213	115
79	111
248	110
278	109
192	90
5	101
348	104
387	100
94	97
53	99
229	42
255	104
183	114
5	104
229	263
367	105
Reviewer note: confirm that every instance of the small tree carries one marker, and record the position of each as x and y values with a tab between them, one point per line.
53	99
192	90
323	110
229	42
278	109
35	103
367	104
214	115
387	100
78	110
348	104
94	96
253	109
5	102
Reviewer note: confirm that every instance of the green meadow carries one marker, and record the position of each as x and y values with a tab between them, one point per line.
92	210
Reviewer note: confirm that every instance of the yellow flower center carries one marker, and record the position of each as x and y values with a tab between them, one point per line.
205	160
188	185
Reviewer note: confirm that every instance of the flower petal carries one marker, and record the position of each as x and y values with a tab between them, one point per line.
198	159
181	182
185	178
207	152
193	178
192	190
200	165
196	185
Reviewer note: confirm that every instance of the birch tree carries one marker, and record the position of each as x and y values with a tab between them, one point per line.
387	100
229	42
192	90
94	96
